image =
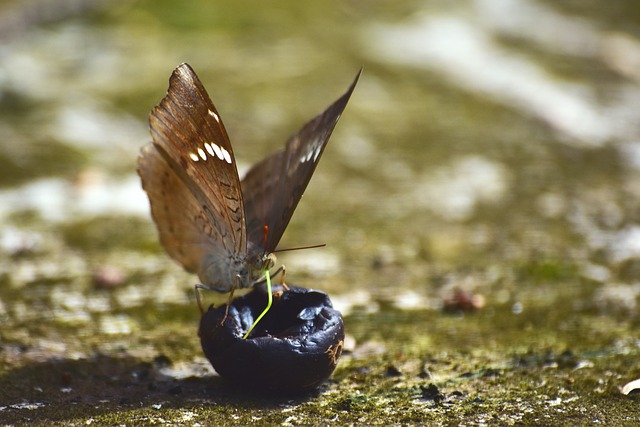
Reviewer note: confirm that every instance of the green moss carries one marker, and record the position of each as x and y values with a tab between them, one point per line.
106	233
46	158
547	270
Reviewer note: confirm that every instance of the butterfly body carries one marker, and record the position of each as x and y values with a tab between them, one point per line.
208	220
217	272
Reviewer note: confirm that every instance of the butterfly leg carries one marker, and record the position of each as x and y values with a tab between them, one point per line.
226	311
278	294
282	275
198	287
282	270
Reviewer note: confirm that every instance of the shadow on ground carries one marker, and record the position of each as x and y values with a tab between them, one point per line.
64	390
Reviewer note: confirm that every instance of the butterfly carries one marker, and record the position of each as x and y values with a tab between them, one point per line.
212	223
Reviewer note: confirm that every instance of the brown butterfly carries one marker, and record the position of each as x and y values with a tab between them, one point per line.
209	221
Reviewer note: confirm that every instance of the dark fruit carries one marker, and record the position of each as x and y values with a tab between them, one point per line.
296	346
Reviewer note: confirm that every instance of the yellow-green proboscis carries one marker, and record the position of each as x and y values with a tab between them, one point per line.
267	277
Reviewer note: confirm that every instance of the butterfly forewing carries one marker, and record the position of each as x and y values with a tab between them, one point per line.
274	186
189	135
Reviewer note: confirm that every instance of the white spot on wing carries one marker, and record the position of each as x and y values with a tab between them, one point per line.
314	150
207	146
194	157
214	115
218	151
227	156
202	154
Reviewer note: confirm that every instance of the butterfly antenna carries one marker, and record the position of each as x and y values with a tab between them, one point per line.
299	248
321	245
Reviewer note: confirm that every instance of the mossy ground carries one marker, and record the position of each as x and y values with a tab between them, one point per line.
423	367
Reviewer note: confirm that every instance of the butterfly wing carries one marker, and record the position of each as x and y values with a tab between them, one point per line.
273	187
184	236
190	138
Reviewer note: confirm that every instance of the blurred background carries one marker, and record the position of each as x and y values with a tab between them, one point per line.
488	159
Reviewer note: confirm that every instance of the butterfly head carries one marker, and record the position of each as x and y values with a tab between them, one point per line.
223	273
261	264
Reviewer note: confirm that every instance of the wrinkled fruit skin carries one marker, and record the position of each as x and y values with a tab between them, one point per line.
295	347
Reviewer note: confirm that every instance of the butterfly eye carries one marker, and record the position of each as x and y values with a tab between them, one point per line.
265	262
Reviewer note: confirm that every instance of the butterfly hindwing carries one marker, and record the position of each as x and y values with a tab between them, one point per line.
184	232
